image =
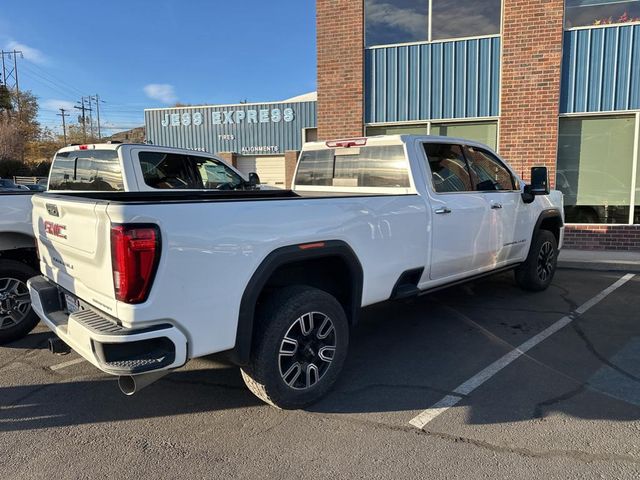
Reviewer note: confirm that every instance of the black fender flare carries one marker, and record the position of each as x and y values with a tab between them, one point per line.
240	354
545	215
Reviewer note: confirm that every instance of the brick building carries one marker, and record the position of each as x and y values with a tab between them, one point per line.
545	82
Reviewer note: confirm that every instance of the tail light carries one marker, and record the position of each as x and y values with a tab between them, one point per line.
135	253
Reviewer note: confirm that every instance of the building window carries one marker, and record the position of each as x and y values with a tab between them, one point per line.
396	21
483	132
309	135
595	166
581	13
398	130
465	18
404	21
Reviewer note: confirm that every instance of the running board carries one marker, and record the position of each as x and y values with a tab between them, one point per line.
468	279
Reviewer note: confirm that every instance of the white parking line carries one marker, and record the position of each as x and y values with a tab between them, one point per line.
60	366
474	382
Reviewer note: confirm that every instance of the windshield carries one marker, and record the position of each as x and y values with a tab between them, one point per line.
187	172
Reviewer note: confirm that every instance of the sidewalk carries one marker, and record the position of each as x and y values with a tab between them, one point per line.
600	260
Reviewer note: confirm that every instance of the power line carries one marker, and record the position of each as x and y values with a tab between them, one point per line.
59	81
49	83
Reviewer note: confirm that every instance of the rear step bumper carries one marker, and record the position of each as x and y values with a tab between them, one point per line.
110	347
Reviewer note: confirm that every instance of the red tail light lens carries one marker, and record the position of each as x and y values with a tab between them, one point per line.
135	252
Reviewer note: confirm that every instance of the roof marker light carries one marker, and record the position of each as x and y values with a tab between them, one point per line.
351	142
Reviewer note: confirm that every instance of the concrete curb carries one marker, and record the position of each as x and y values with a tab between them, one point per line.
599	266
608	261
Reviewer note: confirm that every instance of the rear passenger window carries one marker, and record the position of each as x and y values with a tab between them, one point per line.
449	171
86	170
487	172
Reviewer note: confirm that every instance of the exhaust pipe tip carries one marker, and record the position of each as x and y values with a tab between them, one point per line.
127	385
132	384
58	347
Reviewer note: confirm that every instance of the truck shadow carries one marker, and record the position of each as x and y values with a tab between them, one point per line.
405	356
97	400
33	341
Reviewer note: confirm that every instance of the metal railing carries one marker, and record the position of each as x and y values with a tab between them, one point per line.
27	180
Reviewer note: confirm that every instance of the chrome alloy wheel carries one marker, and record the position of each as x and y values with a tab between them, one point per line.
307	350
546	259
15	303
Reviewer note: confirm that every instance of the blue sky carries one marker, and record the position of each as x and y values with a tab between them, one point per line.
150	53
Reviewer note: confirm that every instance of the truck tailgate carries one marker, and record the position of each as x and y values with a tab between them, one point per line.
74	243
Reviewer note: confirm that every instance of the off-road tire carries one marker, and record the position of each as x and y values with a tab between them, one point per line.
538	270
275	318
22	272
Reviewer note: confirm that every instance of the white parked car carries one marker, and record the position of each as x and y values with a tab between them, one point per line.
140	283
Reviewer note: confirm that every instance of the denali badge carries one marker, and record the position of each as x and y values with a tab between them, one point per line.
53	210
55	229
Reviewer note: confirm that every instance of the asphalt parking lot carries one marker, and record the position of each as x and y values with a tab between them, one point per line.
433	388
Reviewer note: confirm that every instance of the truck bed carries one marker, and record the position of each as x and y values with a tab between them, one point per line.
177	196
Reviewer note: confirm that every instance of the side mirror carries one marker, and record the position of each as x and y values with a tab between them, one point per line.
540	181
254	179
539	184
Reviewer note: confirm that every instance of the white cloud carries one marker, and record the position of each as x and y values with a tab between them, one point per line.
55	104
162	92
387	15
32	54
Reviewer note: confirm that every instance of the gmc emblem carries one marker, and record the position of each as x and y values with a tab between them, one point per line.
55	229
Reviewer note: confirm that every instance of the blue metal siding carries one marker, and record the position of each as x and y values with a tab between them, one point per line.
601	69
458	79
206	137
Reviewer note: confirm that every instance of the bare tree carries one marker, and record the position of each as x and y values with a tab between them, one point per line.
11	142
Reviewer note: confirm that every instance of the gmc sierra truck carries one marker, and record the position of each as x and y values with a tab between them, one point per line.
140	283
86	168
18	263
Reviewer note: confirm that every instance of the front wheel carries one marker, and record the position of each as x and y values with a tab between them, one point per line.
300	345
17	318
538	270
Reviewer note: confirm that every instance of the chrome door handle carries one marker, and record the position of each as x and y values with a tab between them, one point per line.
442	211
496	206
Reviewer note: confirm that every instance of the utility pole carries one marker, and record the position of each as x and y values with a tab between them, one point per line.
83	118
90	108
63	114
96	98
10	72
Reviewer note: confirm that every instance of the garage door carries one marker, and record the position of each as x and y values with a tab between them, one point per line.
270	169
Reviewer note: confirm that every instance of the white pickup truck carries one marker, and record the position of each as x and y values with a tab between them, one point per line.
140	283
114	168
18	263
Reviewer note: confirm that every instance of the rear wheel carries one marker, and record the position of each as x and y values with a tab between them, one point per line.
17	318
537	272
301	341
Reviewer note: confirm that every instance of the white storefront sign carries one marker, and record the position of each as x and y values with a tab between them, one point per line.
230	117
